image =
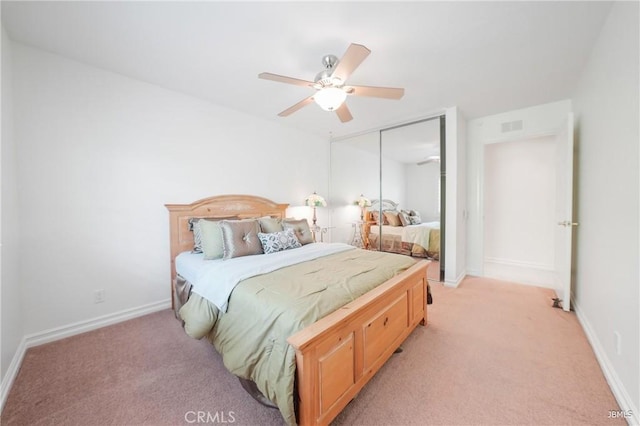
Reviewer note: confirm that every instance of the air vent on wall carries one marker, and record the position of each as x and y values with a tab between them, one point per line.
511	126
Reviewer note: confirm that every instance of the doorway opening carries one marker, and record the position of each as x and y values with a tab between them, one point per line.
519	210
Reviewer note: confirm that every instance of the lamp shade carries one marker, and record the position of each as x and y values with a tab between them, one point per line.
315	200
330	98
363	201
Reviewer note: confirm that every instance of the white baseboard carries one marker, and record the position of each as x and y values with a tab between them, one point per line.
12	372
475	272
58	333
531	273
617	387
455	283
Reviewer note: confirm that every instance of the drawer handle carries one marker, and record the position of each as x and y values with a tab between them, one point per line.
386	320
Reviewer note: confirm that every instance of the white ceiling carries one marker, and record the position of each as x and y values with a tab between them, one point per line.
484	57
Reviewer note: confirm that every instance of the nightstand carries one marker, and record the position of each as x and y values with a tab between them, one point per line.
357	240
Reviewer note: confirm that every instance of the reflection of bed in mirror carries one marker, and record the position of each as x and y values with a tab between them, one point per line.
402	231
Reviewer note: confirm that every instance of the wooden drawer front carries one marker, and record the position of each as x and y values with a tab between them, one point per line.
381	331
336	372
418	302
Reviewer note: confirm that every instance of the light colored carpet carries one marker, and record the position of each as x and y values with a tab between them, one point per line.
493	353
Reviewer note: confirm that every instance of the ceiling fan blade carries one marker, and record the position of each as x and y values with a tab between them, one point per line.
296	107
352	58
284	79
376	92
343	113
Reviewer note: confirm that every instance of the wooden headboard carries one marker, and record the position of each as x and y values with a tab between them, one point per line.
217	207
384	203
377	205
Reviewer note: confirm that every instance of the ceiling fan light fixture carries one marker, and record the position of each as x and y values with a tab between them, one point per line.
330	98
329	84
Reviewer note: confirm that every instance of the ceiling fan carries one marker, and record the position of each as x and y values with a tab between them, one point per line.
331	90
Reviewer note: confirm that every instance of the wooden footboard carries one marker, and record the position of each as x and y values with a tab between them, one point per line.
339	354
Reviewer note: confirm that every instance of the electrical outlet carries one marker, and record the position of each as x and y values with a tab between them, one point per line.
98	296
618	342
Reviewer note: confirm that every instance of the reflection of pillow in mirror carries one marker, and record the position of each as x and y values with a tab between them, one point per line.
375	214
415	218
300	228
374	217
385	220
270	224
404	218
393	218
240	238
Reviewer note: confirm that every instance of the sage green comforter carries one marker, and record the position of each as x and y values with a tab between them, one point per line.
265	310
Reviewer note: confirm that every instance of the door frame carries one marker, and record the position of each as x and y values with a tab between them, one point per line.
565	161
481	185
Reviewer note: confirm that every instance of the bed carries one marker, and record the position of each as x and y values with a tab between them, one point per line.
324	358
403	231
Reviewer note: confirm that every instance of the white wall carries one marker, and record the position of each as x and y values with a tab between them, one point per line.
394	182
607	265
355	170
422	192
537	121
100	154
11	331
519	210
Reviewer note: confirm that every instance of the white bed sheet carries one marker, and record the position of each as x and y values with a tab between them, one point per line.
415	234
215	279
189	265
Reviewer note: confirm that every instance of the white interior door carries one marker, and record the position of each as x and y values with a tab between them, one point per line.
564	212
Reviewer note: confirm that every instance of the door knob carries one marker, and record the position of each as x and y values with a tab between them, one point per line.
568	223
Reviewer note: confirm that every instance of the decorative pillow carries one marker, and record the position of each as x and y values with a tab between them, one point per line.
270	224
277	241
392	217
375	215
194	226
300	228
211	239
404	217
240	238
415	218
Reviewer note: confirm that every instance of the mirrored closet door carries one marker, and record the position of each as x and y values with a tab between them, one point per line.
355	173
400	172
